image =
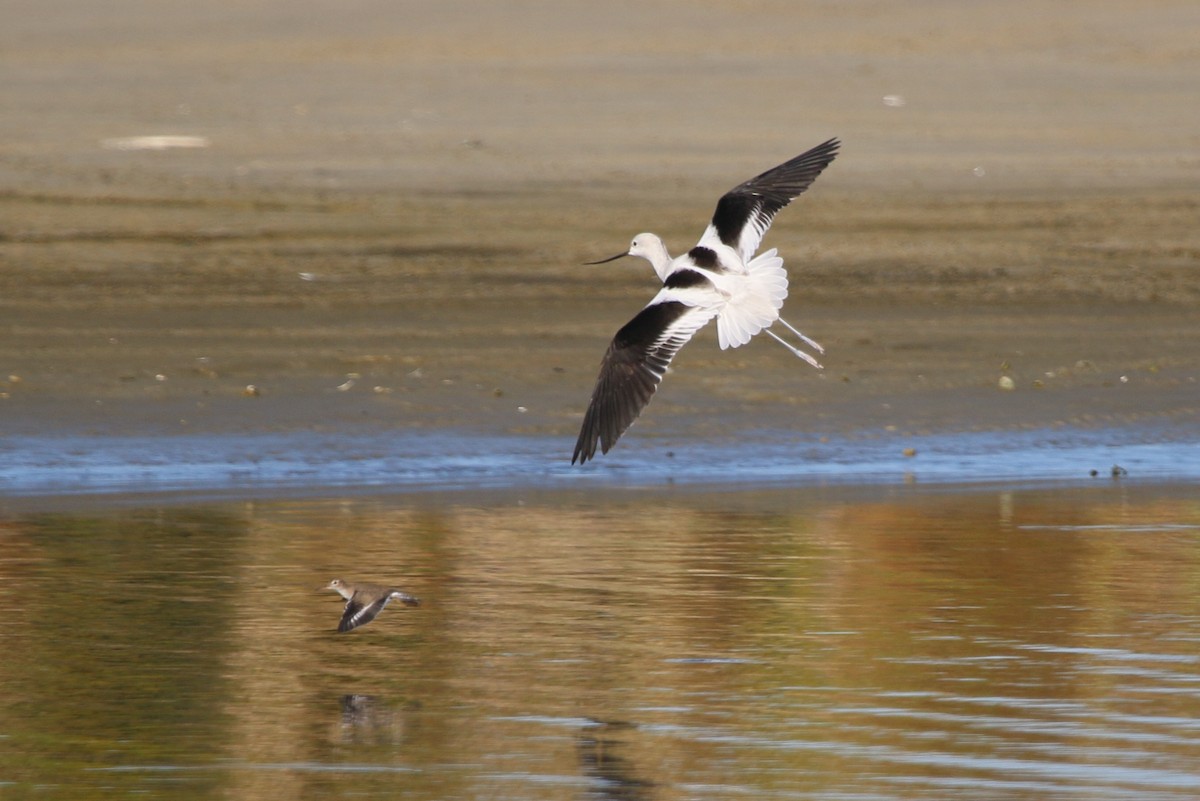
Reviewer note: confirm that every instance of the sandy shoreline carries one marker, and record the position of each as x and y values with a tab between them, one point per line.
378	223
151	321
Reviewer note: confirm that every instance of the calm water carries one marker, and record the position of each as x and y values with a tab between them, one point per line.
215	465
848	643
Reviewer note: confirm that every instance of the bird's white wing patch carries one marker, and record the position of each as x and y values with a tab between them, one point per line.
756	302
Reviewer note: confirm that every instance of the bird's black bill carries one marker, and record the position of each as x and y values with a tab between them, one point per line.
610	258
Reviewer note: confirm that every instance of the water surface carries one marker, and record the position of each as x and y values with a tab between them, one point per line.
224	465
848	642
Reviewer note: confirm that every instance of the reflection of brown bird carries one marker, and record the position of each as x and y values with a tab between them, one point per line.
365	601
599	746
369	720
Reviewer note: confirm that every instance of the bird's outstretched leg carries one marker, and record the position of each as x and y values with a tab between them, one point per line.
812	343
795	350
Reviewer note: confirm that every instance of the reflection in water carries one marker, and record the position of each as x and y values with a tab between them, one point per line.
369	720
854	643
601	758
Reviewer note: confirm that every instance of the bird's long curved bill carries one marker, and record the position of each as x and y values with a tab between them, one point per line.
610	258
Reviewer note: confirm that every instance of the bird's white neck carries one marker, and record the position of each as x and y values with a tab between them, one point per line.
652	249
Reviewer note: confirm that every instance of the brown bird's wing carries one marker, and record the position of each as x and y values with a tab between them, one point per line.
358	613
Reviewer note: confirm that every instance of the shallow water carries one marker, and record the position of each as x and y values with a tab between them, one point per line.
846	642
223	465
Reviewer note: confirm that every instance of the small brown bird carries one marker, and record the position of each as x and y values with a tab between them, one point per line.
365	601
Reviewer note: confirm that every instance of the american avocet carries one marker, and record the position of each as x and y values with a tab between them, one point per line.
720	277
364	602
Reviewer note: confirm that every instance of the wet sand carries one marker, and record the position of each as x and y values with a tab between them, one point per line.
384	229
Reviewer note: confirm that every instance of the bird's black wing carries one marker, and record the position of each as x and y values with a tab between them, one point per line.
633	366
745	212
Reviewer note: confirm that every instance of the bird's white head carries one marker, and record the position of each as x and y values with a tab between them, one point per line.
652	249
648	247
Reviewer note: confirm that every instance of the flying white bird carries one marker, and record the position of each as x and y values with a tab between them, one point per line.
720	277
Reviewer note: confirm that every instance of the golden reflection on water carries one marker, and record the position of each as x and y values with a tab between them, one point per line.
873	643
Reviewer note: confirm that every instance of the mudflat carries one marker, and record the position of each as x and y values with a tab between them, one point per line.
377	218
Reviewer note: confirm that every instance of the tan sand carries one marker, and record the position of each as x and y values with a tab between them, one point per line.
384	219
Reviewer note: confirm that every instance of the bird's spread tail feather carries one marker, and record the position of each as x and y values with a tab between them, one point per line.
757	302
